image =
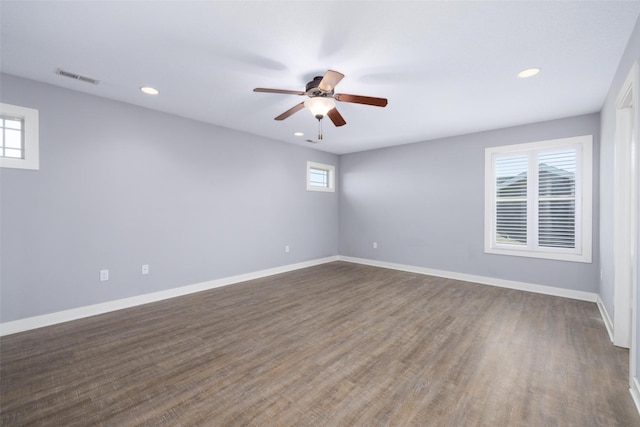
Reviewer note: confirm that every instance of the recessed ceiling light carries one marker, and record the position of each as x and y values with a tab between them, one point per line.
298	133
149	90
529	72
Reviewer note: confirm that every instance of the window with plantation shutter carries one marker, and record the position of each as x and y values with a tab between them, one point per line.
538	199
557	199
511	200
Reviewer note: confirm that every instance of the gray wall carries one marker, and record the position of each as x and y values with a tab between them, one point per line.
121	186
423	204
608	125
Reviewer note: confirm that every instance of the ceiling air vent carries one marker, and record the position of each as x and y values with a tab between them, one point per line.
76	76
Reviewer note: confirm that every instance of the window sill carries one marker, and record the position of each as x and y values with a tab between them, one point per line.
558	256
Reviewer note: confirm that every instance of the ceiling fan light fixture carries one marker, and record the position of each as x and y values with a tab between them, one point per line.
319	106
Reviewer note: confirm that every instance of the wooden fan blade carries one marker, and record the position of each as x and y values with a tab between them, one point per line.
330	80
358	99
336	117
288	92
290	111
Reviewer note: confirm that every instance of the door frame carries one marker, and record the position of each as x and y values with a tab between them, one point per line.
626	216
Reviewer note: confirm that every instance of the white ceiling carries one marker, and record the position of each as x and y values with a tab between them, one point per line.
446	67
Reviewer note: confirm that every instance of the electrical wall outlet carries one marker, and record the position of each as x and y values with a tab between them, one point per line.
145	269
104	275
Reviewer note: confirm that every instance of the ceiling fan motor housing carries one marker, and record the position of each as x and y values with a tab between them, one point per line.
313	89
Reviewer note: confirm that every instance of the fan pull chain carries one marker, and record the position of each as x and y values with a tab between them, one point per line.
320	128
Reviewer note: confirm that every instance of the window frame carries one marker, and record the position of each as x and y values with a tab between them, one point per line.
331	177
584	194
31	138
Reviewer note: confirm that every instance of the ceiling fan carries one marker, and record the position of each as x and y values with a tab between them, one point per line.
321	95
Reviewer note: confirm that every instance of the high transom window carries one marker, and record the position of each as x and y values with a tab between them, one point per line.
11	137
19	137
320	177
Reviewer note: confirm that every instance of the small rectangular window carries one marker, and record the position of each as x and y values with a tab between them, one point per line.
19	137
538	199
320	177
11	137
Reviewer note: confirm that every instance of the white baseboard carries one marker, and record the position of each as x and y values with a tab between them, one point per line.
605	317
635	392
35	322
522	286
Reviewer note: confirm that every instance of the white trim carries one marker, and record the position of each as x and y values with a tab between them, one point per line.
635	392
625	212
502	283
605	317
621	232
31	137
35	322
29	323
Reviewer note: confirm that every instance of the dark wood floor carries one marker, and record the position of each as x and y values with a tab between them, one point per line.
333	345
